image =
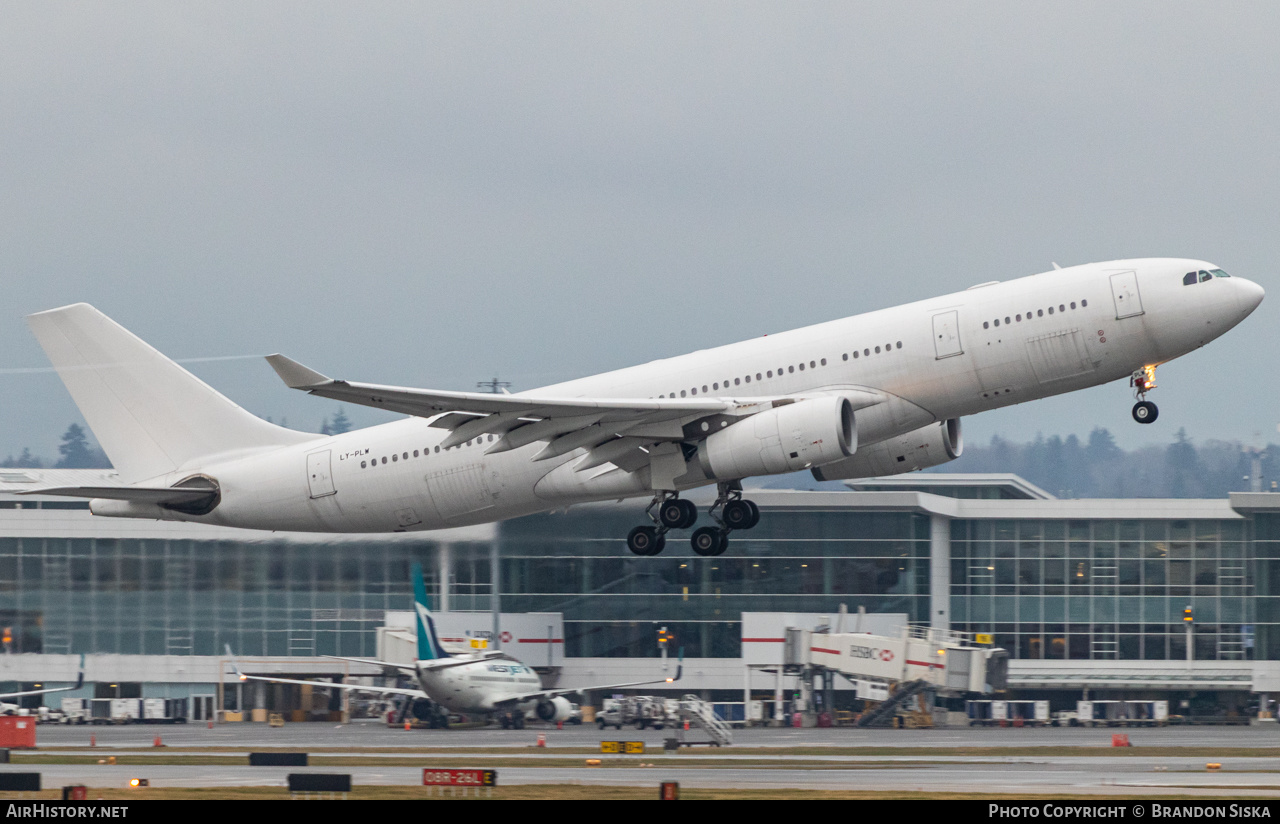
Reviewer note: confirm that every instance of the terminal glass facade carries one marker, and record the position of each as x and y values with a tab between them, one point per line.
1108	589
795	560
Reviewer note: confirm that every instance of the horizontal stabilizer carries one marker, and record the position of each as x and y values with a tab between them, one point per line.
138	494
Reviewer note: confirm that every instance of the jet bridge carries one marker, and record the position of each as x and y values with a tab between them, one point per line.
917	661
948	662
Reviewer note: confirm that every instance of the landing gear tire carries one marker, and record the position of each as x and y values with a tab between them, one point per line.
709	541
645	541
1145	412
740	514
672	513
690	514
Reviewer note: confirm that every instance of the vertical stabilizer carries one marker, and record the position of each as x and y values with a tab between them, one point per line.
149	414
429	648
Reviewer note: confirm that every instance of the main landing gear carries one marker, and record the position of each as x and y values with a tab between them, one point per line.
1143	381
730	511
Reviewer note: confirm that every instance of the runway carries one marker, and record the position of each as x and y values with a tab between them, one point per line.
1163	762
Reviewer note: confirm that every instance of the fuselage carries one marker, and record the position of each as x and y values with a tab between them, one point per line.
987	347
480	686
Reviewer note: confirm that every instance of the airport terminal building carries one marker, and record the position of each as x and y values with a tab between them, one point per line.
1088	596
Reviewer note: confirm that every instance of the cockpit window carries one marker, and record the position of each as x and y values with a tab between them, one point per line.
1204	276
1218	273
1189	279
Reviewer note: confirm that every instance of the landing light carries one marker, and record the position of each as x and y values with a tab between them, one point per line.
139	782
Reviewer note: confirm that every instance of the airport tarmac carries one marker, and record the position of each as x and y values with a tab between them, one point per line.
370	745
371	733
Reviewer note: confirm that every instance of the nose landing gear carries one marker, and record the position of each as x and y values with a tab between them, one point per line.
1143	381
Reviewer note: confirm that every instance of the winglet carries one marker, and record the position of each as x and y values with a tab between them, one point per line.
679	668
234	667
80	675
294	374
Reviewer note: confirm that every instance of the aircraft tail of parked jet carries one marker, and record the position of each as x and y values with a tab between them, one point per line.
151	416
429	646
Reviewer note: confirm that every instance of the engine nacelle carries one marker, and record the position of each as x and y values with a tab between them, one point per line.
786	438
554	710
927	446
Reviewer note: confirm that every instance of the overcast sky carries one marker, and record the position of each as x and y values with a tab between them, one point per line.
434	194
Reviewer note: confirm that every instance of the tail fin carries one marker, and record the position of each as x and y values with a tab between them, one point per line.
429	648
150	415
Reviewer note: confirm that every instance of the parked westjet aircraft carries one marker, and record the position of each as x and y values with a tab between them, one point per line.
874	394
487	683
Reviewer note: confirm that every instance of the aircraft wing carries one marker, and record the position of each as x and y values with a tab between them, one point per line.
414	693
79	684
613	430
538	694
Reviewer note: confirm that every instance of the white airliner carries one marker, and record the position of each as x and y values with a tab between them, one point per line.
873	394
488	683
9	708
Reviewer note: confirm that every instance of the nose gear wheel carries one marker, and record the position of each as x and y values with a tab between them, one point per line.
1143	381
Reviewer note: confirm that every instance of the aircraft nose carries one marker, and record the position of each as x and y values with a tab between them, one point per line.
1248	295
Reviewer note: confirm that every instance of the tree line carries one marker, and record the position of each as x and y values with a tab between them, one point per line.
1098	468
76	452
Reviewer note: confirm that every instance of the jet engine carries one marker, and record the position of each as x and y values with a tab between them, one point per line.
554	710
929	445
786	438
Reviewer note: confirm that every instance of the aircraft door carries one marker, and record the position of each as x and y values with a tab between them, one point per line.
320	474
1124	291
946	334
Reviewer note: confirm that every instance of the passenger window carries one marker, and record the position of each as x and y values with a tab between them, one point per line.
986	324
406	456
1018	318
738	381
716	386
845	356
1084	303
866	353
899	344
812	365
877	350
1007	321
1051	310
855	355
1062	308
437	450
771	373
415	453
1189	278
997	321
791	369
682	393
823	361
363	464
693	391
704	389
1039	313
384	460
757	377
802	367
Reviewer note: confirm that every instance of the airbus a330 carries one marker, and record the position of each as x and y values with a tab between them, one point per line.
874	394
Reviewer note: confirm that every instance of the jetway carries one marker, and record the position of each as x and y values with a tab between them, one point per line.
946	662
